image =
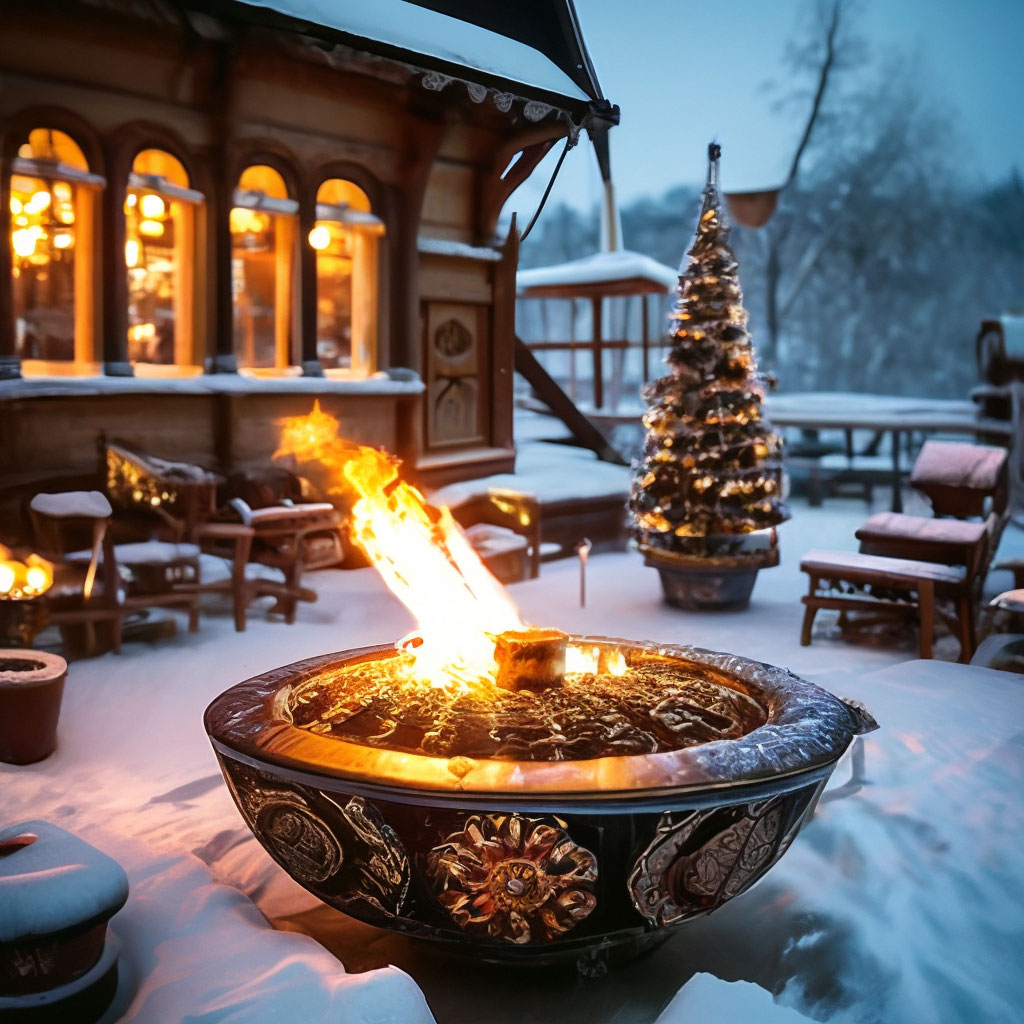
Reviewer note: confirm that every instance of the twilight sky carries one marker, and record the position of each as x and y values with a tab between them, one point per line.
685	72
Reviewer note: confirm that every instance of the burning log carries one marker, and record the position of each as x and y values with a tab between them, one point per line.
530	659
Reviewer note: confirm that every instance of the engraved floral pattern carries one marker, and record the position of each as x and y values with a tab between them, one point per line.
512	878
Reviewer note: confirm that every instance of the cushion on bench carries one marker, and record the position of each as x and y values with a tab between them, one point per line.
958	464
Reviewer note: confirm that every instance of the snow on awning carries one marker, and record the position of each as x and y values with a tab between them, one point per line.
406	32
603	272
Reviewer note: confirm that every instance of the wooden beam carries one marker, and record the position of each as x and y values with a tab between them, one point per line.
586	434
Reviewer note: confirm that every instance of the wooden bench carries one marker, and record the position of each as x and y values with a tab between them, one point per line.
891	577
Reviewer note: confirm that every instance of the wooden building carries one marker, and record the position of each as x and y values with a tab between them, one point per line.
216	211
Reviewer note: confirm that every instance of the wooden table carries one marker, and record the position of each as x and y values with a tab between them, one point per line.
879	413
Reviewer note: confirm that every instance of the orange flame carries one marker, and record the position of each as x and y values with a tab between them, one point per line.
425	560
21	580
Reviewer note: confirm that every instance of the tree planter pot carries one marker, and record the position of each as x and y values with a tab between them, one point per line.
716	581
31	688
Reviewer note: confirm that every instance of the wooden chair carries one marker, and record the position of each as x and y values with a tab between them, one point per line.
86	600
74	530
257	524
513	557
961	479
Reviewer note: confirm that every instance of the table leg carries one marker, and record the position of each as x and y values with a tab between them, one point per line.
897	496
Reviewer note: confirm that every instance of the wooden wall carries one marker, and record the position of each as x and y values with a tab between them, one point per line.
119	78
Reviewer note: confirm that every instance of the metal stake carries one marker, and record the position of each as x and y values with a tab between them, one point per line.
583	550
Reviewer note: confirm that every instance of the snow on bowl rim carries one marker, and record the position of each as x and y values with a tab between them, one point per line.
807	731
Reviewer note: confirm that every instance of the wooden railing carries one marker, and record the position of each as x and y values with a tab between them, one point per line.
597	349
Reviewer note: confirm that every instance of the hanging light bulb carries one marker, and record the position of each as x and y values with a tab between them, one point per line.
131	252
320	237
152	206
63	240
151	228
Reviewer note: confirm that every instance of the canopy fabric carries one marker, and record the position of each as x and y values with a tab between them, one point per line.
597	273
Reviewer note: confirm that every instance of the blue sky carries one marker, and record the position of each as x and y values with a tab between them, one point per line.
685	72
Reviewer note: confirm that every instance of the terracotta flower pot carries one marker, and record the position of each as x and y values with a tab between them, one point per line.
31	688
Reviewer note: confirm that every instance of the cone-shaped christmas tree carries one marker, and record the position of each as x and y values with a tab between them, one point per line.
707	488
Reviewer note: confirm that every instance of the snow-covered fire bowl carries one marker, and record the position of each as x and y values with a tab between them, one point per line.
581	819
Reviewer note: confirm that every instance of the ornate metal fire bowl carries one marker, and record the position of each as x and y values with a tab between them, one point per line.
535	851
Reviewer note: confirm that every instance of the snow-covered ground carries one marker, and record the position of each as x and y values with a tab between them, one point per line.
902	901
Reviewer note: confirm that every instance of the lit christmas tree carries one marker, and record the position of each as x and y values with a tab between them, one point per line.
711	471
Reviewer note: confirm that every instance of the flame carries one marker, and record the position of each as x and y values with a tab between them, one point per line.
428	564
21	580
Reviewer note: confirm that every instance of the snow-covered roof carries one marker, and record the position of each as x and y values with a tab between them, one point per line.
601	268
397	25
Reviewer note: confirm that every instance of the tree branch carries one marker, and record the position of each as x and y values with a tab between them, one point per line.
823	76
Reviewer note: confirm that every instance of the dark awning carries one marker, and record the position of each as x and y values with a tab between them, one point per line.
531	48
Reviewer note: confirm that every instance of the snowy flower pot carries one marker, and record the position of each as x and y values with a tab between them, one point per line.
57	962
531	861
722	579
31	689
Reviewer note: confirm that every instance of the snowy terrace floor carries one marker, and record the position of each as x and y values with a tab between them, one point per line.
917	897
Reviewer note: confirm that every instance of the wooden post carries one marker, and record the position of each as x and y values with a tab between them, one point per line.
307	289
223	358
114	285
10	364
645	340
595	304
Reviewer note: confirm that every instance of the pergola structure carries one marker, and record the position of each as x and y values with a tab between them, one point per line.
605	275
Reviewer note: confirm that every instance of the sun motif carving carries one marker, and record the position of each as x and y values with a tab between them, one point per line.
513	878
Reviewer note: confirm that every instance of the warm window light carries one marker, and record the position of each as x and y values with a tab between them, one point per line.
24	240
16	206
152	206
62	190
66	214
131	200
151	228
131	252
63	240
320	237
39	202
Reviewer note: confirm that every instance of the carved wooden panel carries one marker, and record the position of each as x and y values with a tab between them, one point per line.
457	381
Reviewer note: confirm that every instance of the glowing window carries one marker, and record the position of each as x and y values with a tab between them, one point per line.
160	255
346	241
263	244
54	207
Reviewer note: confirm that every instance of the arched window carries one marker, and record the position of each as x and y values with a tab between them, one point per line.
263	245
160	255
54	210
346	241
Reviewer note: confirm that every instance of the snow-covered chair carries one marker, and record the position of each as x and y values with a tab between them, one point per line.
504	527
249	518
73	530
